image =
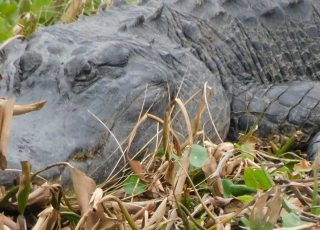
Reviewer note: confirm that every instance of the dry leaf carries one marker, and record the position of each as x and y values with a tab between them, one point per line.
303	166
72	11
222	149
137	168
132	207
84	187
274	207
180	178
158	214
148	208
209	166
47	219
233	206
7	223
107	223
88	197
232	165
96	197
41	196
21	222
170	173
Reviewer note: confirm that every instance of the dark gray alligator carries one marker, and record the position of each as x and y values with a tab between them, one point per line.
258	56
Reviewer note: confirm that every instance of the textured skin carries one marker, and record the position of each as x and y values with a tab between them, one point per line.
258	56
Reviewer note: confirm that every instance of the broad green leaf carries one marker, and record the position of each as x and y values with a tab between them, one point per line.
6	30
231	189
133	185
24	187
198	155
291	220
8	11
257	178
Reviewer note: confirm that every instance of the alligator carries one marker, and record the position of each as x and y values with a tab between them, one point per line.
257	57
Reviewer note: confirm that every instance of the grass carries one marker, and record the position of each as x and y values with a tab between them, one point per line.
184	184
189	183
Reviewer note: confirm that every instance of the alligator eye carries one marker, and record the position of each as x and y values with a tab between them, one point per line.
77	66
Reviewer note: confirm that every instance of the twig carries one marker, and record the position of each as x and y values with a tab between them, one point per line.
222	163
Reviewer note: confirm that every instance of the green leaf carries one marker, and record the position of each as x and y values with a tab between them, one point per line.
25	6
133	185
246	223
291	220
160	152
246	148
71	217
6	30
257	178
8	11
38	5
245	198
231	189
24	186
198	155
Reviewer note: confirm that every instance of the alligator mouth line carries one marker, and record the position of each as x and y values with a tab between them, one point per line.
85	154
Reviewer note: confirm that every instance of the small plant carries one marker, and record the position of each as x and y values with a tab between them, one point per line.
23	17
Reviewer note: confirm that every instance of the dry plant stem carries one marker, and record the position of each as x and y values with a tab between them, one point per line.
308	214
206	200
213	216
191	217
123	210
298	194
187	120
166	130
207	104
123	169
133	134
309	219
174	135
111	133
67	203
232	216
49	167
140	213
222	163
197	119
277	158
302	227
10	40
186	103
181	214
23	109
238	171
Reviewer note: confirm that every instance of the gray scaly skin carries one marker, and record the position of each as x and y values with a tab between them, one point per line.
258	56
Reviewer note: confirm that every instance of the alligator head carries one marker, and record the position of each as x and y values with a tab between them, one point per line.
111	65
